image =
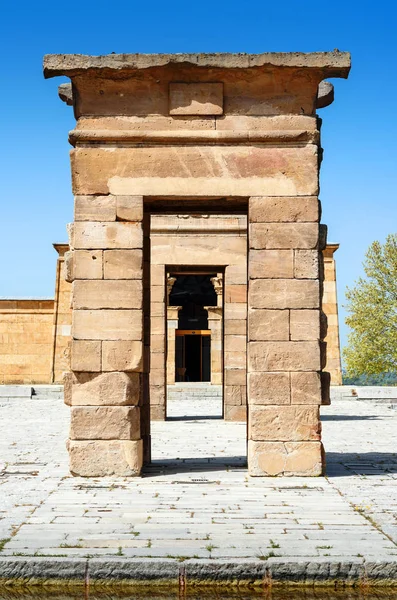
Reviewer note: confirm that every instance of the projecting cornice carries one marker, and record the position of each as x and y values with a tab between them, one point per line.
332	64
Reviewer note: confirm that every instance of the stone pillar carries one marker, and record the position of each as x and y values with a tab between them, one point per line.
104	389
235	338
284	353
60	360
172	326
330	308
215	325
157	323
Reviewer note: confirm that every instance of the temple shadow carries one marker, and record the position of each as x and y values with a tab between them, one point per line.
195	418
349	417
175	466
366	464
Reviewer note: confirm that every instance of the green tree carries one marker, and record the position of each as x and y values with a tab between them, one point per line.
372	318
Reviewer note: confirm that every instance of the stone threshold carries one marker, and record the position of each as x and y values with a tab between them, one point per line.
62	571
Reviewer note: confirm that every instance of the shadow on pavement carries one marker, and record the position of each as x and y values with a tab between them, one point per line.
346	464
194	465
195	418
349	417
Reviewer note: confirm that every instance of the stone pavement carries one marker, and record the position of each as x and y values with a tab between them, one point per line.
196	499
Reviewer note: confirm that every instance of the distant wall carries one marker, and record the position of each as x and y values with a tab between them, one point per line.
60	362
330	308
35	334
26	340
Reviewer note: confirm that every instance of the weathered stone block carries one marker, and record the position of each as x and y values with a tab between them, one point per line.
234	343
157	360
157	293
305	324
94	235
122	264
236	327
305	388
157	342
269	388
303	459
157	377
94	208
106	389
236	360
284	356
107	293
200	170
196	98
266	325
284	423
105	423
68	274
67	388
99	458
284	293
263	209
306	264
235	413
86	356
122	355
129	208
157	309
283	235
87	264
237	274
157	412
271	264
235	376
107	324
157	394
157	326
234	394
236	293
235	310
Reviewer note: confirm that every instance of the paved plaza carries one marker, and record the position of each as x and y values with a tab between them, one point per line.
196	500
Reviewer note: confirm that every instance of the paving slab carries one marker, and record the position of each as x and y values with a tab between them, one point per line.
196	504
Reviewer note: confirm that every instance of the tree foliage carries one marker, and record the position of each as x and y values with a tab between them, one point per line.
372	313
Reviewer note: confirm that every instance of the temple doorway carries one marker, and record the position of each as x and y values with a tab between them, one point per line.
194	343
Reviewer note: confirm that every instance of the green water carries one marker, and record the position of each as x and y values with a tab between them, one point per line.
269	594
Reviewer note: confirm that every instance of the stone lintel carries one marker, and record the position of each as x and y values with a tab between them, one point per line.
331	64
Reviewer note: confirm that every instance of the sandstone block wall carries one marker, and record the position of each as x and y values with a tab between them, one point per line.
104	388
285	388
26	341
330	307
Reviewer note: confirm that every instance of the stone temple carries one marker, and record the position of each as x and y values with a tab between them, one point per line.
196	256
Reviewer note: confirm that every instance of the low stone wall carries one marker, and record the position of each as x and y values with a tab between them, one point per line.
380	393
26	340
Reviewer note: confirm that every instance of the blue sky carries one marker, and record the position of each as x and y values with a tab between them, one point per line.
358	178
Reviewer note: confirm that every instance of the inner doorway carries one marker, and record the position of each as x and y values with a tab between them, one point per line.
194	359
192	355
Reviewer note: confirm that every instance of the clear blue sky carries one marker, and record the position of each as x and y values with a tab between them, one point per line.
358	178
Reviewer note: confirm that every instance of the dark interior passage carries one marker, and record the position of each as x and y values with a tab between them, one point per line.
192	356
